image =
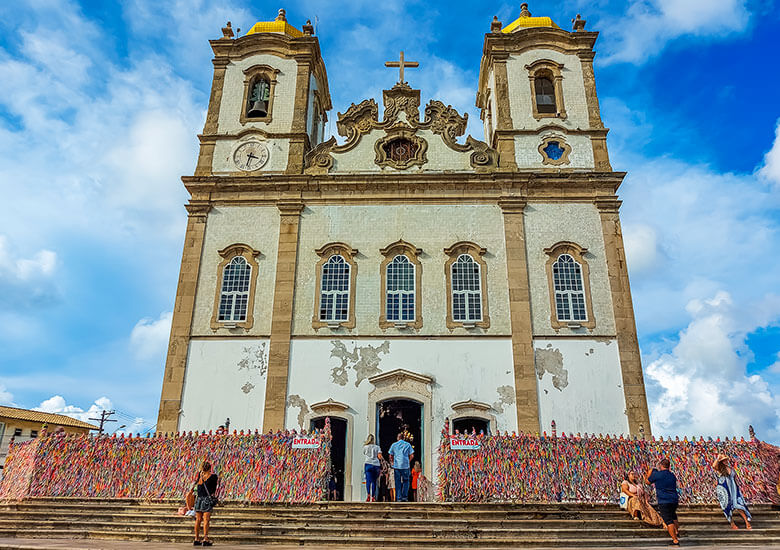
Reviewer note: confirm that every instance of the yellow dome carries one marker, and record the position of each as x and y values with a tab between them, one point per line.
279	25
526	21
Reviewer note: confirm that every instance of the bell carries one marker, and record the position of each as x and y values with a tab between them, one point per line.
258	109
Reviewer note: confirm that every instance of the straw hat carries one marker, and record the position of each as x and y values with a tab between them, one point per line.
721	458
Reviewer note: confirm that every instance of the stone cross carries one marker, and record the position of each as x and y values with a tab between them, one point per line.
401	64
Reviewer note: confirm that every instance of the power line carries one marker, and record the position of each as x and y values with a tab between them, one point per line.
104	417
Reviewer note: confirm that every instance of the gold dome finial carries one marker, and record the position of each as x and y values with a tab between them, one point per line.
282	16
524	10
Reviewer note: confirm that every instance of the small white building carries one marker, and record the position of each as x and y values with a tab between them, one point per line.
408	274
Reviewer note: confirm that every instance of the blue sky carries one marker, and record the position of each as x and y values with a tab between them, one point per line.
100	103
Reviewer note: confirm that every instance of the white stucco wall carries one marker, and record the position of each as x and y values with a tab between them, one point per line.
580	385
429	227
233	95
547	224
225	378
462	369
256	226
574	99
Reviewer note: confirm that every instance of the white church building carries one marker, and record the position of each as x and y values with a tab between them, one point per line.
408	274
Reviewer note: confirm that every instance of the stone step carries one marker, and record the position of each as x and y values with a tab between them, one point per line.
403	540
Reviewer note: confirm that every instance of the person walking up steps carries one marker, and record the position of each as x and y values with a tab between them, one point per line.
401	452
729	495
373	464
666	491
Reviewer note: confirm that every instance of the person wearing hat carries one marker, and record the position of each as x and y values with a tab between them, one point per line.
729	495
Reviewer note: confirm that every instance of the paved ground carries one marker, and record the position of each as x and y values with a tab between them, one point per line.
79	544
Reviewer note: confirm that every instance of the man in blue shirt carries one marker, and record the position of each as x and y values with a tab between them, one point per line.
401	453
666	491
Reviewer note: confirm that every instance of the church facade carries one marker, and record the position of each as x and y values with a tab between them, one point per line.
406	275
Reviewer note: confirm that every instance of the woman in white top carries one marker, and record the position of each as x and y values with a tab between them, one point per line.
372	465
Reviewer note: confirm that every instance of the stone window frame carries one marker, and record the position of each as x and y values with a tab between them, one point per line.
473	409
563	145
549	68
476	252
336	409
578	253
227	254
325	252
250	75
400	131
401	247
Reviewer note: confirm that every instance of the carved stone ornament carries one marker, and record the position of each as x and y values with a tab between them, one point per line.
359	120
400	149
554	150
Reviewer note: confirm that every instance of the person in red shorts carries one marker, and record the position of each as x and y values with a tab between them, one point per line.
416	471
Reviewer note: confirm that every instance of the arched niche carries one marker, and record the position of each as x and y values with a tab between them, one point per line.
336	409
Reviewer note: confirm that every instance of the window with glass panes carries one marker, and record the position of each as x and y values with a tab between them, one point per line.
569	289
545	95
466	290
234	296
334	290
400	290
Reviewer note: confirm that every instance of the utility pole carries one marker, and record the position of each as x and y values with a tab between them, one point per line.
104	417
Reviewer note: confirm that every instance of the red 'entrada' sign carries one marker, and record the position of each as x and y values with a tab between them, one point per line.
305	443
464	443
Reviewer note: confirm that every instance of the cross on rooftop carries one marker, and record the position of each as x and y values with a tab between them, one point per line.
401	64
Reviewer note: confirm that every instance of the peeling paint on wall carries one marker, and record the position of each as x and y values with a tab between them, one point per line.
551	360
254	359
364	360
506	396
248	387
298	401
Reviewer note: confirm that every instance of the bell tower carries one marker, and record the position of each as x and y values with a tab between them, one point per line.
537	95
269	101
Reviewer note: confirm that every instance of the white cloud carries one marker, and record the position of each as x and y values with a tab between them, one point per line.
56	404
149	338
26	280
6	397
641	243
702	387
645	26
770	170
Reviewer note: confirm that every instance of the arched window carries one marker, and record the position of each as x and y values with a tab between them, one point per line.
234	296
259	96
466	290
569	289
466	275
400	307
545	94
334	290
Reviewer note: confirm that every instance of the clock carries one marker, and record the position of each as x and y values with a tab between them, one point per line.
250	156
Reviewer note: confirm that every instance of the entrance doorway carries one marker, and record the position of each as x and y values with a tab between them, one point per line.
467	424
400	415
338	453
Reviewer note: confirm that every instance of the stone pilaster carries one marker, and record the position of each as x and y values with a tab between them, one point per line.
505	140
181	325
299	141
599	141
281	322
526	393
206	155
625	325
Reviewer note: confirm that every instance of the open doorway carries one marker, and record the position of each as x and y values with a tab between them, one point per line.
338	454
467	424
400	415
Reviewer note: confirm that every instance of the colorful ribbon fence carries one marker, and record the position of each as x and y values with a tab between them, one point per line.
251	467
532	468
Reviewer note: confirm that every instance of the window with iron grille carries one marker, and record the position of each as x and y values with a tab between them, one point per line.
466	290
569	289
334	290
234	296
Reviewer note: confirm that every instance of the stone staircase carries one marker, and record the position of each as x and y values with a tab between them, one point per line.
410	525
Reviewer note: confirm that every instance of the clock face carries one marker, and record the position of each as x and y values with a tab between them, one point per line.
250	156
